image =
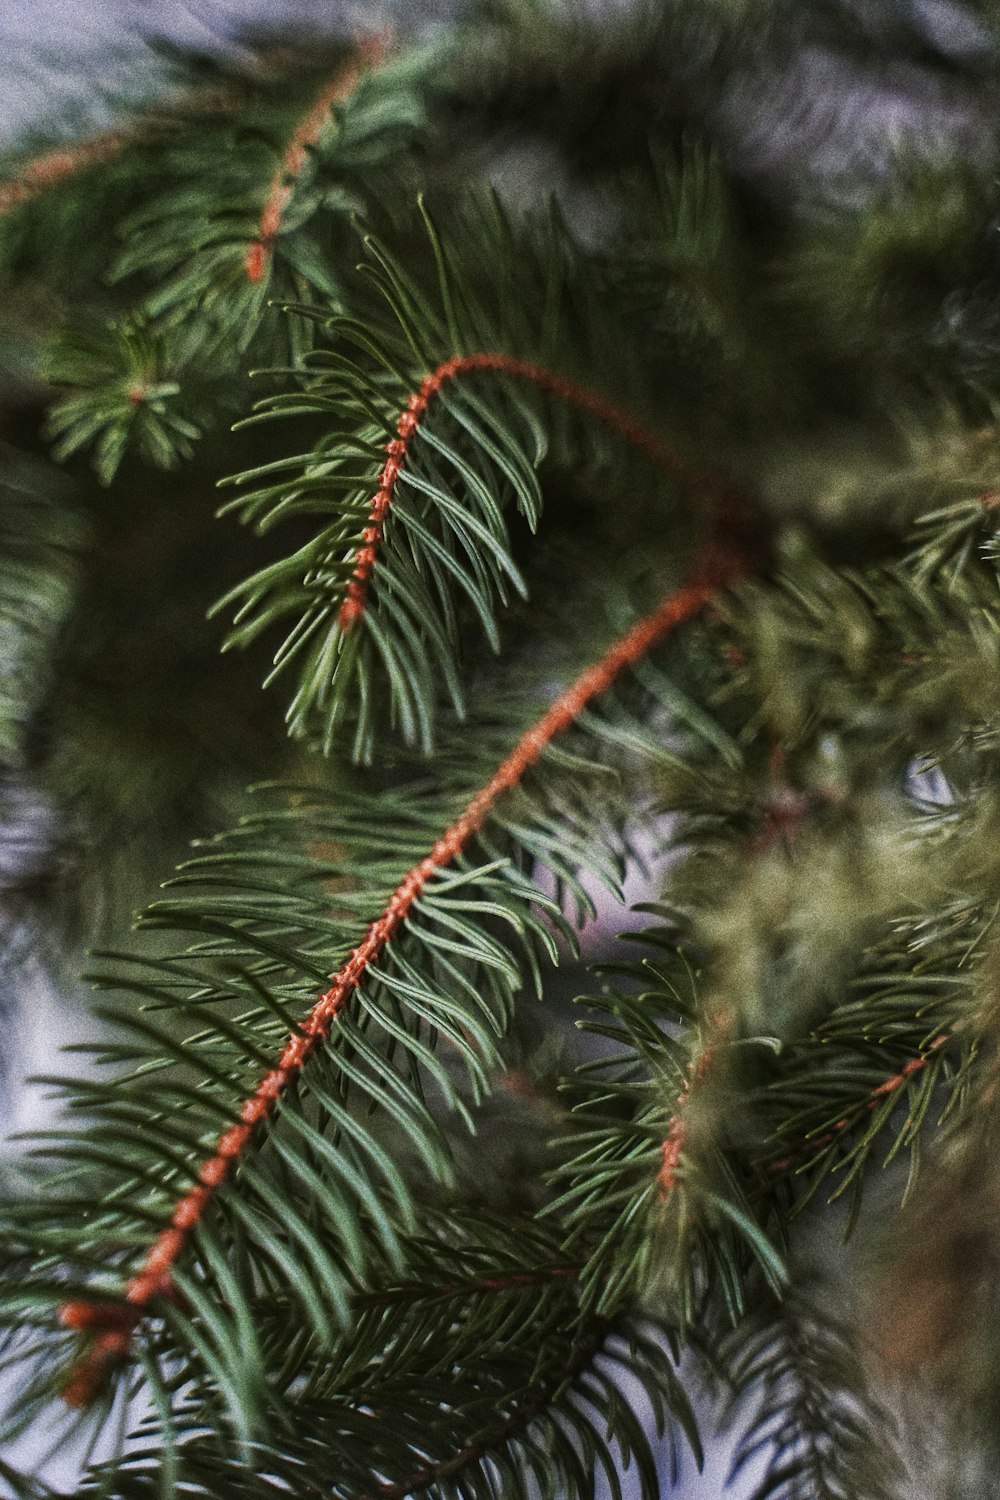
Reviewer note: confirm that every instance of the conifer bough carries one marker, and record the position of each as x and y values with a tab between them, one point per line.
725	563
368	1235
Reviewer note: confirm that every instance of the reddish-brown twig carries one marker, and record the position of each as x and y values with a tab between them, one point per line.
113	1325
675	1141
56	166
659	452
369	54
489	1440
48	170
729	556
883	1091
61	163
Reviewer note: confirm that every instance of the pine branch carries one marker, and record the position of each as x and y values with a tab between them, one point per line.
113	1324
675	1222
127	390
538	1426
646	1169
262	1226
212	246
233	232
834	1124
59	165
882	1092
824	1433
165	1143
660	453
485	1443
370	53
55	167
437	526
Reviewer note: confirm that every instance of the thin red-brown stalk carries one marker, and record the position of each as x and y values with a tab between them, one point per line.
783	814
785	808
422	1479
673	1146
370	52
485	1442
884	1090
48	170
63	162
675	1141
659	452
113	1325
507	1282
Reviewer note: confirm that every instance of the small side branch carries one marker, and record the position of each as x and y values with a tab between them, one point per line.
675	1141
369	54
660	453
486	1442
62	163
54	167
473	1452
884	1090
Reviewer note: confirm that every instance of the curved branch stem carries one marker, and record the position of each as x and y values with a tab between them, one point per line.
487	1441
698	484
58	165
370	52
884	1090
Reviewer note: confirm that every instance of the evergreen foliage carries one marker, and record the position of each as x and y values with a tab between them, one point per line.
650	521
